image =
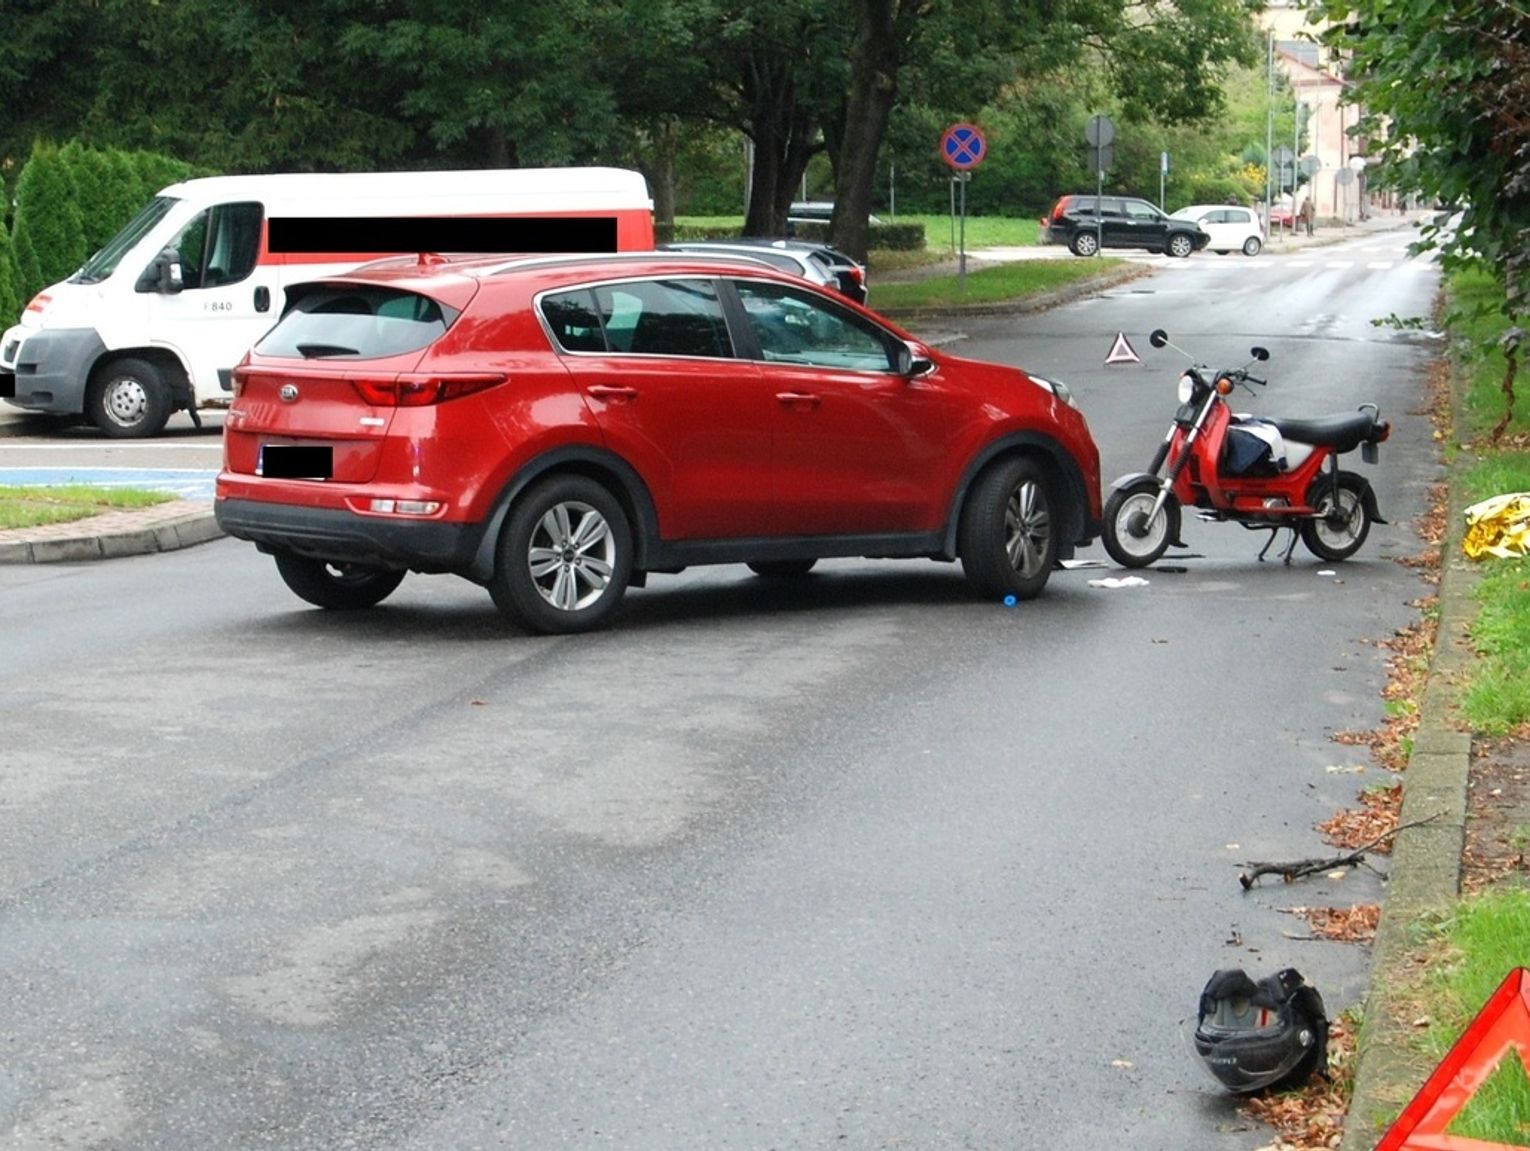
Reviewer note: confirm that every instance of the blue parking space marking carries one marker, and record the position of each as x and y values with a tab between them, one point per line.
187	483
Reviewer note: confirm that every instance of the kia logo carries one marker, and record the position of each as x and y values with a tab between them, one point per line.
289	393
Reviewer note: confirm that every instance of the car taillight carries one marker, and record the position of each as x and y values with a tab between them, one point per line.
857	273
418	390
1057	211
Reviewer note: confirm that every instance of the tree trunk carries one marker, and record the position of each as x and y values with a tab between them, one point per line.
657	163
784	140
874	56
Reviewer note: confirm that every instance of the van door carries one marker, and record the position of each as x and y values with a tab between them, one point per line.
228	299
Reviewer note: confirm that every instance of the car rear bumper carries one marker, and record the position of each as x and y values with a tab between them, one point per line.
334	534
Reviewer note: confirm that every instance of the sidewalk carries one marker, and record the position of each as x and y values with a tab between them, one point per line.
130	532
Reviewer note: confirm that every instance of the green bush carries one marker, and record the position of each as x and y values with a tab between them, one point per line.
10	287
49	233
93	178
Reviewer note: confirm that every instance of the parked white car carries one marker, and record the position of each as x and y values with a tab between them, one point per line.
1231	228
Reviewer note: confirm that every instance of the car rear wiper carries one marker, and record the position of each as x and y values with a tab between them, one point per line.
318	351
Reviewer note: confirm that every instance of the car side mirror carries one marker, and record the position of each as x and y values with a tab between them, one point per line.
1158	338
167	267
911	363
1259	353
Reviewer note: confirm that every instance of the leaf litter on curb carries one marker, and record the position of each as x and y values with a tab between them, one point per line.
1311	1117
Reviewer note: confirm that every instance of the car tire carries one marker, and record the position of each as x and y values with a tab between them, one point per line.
1085	244
336	586
565	557
129	399
1008	539
1252	246
782	569
1180	245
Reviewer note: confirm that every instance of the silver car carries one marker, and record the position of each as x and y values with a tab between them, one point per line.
823	264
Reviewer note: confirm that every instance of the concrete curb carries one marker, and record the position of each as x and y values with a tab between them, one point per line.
111	535
1425	877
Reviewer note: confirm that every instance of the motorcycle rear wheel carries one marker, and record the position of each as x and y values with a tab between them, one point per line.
1132	539
1343	520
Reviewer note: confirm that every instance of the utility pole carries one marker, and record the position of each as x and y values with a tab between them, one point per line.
1269	123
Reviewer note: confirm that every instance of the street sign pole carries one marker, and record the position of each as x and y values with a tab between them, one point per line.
962	147
1099	132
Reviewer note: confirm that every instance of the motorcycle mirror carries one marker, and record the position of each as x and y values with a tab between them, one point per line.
1259	353
1158	338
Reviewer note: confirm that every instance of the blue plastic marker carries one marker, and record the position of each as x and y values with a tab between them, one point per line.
1009	601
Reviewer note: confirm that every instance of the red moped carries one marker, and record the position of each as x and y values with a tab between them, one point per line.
1266	474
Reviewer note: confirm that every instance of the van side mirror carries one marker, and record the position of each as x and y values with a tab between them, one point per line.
1259	353
1158	337
911	363
167	268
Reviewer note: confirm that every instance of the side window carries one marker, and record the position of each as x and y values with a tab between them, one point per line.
1140	212
1110	208
795	327
574	322
664	318
219	246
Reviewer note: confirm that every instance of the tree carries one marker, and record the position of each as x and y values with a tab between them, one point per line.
1444	90
49	233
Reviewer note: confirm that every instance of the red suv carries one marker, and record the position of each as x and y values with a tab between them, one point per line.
559	427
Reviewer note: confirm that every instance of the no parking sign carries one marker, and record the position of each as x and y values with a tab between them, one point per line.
963	146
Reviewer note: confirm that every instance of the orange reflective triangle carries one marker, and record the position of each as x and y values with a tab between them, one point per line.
1121	352
1502	1024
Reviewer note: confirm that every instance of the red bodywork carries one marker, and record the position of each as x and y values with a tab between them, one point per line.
1202	484
723	448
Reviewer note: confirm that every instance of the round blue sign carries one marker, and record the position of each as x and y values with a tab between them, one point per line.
963	146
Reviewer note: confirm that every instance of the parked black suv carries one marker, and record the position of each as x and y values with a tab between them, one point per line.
1088	223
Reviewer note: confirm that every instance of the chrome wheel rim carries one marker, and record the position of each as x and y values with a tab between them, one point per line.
1027	528
1337	522
1135	532
127	401
571	556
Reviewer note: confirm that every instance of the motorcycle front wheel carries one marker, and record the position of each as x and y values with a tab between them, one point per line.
1132	538
1342	521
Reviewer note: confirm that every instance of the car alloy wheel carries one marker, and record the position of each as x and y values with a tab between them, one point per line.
565	556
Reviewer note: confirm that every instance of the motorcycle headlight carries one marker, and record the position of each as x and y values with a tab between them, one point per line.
1057	388
1186	389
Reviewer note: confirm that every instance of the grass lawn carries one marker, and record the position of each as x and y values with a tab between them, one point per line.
987	285
28	507
942	234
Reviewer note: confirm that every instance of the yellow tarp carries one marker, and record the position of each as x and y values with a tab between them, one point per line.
1498	527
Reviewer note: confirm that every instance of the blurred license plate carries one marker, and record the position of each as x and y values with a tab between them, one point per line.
295	462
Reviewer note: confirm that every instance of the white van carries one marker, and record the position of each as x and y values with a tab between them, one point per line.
157	319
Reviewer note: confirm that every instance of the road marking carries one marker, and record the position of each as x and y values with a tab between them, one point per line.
1379	265
1301	263
1339	264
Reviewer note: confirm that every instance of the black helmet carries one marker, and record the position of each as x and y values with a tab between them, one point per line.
1254	1035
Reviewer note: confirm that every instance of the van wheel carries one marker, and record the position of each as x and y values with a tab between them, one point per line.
129	399
1085	244
334	585
565	557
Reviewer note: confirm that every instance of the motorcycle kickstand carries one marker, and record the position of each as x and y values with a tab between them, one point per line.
1275	531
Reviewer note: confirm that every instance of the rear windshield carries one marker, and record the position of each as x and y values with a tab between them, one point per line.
347	321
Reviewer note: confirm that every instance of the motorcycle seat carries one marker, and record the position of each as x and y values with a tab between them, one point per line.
1342	433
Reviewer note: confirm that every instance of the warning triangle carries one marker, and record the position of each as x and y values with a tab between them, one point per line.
1121	352
1502	1024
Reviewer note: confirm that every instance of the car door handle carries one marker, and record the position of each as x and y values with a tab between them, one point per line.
612	392
792	399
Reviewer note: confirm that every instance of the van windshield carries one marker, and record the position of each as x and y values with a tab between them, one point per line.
105	262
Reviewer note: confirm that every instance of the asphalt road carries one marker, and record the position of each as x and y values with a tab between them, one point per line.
860	863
